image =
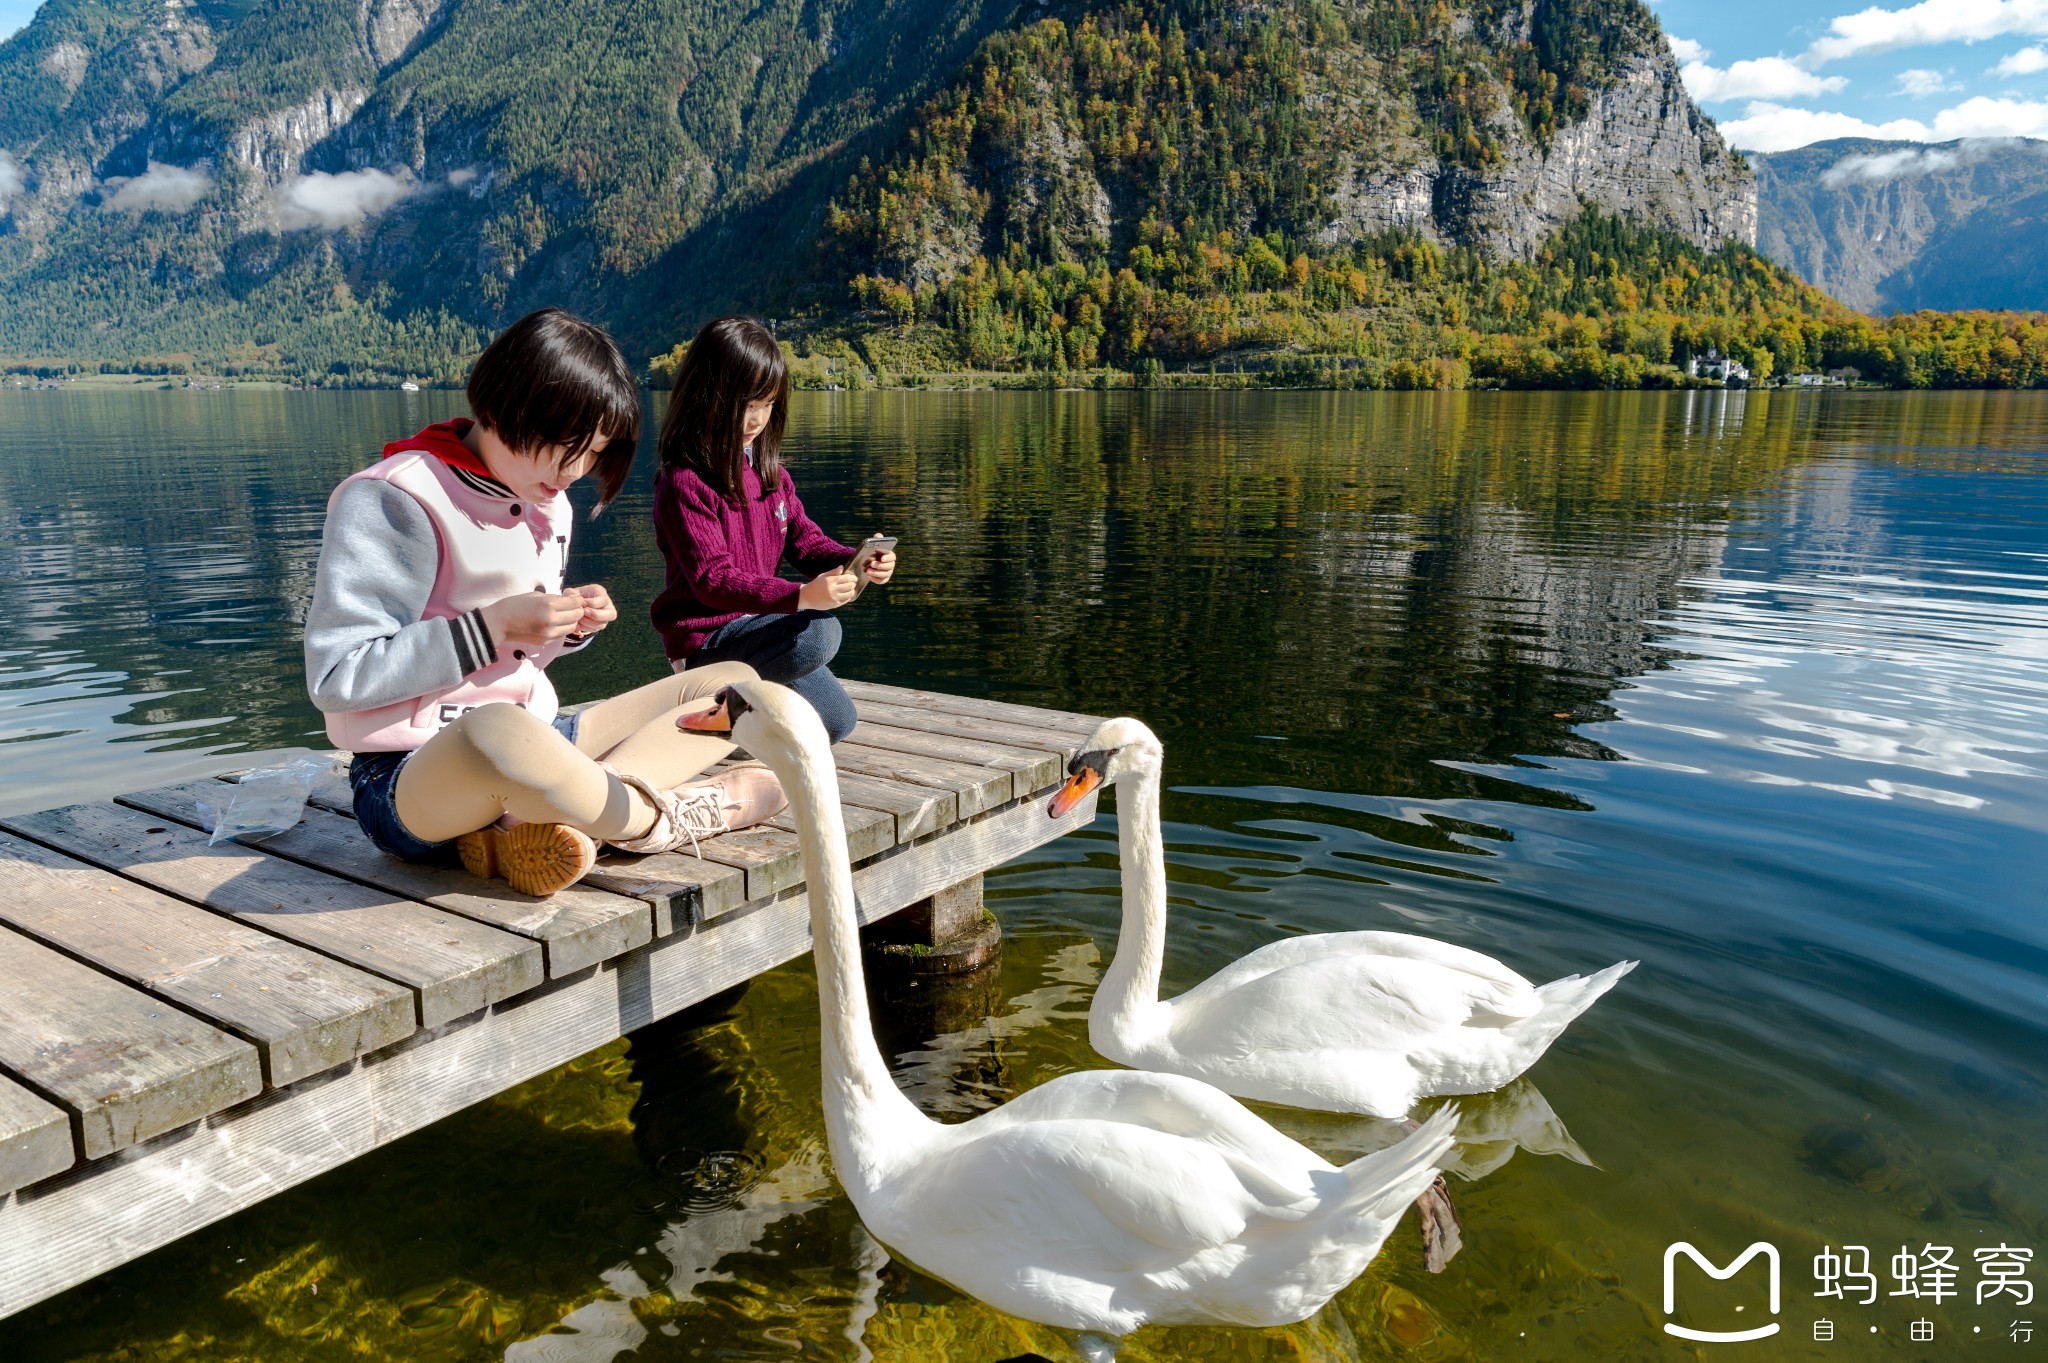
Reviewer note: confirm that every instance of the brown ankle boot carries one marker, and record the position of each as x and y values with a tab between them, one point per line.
533	858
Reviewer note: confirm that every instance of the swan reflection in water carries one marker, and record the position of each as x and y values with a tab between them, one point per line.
1491	1128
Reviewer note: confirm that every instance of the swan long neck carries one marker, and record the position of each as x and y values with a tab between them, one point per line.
865	1112
1132	980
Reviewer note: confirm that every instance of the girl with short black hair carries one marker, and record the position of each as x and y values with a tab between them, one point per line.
439	602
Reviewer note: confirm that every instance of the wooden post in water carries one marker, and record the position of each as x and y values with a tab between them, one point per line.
935	968
950	933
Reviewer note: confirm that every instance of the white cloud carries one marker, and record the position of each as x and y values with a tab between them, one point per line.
1926	24
11	180
2024	62
342	200
1983	117
1765	78
1770	127
1877	168
168	189
1920	83
1686	50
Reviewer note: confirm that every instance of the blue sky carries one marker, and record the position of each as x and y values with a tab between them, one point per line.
1782	75
1779	75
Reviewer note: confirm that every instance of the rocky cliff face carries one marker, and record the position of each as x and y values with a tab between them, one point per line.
1894	226
1477	125
1643	150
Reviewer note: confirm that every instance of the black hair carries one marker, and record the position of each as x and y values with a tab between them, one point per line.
732	361
552	378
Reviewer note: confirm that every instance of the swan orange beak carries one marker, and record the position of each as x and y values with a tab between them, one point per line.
716	720
1074	791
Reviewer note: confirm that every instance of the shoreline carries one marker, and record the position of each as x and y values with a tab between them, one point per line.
1105	381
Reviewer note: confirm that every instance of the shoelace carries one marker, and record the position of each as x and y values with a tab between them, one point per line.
697	812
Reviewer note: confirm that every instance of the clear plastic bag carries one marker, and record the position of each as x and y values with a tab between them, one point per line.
265	801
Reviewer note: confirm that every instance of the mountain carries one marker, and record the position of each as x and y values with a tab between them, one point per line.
355	190
1896	226
324	185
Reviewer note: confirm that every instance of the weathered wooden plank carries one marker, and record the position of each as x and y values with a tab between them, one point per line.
767	855
35	1138
1032	716
453	966
681	889
1064	743
577	927
735	868
975	788
125	1065
83	1223
869	832
917	810
304	1012
1031	769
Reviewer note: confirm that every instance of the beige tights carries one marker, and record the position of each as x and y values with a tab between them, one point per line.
499	759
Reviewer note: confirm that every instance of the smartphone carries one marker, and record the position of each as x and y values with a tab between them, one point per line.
869	547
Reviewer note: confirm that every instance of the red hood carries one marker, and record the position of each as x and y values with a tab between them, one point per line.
443	440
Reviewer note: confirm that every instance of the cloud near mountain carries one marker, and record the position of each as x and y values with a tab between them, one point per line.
344	199
169	189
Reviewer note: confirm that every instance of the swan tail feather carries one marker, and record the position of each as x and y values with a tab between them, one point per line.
1565	999
1384	1182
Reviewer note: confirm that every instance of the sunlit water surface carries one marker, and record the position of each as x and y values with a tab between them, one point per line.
1750	688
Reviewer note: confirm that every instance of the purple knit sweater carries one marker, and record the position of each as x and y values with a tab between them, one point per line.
723	560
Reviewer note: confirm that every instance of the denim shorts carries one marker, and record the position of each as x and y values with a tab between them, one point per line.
373	776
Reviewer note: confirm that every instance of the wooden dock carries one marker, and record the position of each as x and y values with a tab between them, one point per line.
186	1030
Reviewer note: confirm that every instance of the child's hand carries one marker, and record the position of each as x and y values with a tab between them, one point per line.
598	610
828	590
881	567
534	619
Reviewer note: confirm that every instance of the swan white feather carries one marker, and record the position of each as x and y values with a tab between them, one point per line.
1369	1022
1099	1201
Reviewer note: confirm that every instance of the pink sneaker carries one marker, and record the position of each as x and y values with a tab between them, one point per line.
734	799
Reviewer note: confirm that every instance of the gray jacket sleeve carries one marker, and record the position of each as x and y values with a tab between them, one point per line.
366	644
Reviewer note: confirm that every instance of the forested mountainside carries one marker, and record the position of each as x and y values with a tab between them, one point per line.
367	187
1376	191
1893	226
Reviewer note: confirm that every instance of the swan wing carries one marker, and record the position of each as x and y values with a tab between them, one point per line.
1438	976
1276	1167
1335	1003
1099	1197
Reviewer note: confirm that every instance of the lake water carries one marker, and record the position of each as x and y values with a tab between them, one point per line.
1750	687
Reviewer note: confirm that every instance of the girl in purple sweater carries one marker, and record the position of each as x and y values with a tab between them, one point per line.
726	515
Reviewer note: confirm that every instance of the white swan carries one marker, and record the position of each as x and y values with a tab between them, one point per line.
1097	1202
1367	1022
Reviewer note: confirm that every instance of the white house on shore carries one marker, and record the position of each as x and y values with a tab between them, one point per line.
1715	365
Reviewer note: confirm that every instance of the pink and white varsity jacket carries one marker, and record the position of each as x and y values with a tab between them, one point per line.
396	646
